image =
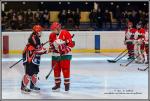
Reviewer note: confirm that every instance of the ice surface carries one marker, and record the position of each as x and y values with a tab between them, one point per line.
92	77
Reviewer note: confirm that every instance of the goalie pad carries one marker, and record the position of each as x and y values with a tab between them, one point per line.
34	79
26	79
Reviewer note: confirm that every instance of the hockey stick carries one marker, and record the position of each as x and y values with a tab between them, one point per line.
119	58
22	59
52	69
15	63
129	62
116	59
143	69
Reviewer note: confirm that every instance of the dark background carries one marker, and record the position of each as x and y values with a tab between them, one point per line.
54	6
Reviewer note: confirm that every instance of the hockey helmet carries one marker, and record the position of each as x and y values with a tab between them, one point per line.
37	28
55	25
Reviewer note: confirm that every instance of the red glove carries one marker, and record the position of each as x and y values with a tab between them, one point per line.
40	51
63	49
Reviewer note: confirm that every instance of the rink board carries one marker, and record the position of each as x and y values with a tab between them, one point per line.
110	41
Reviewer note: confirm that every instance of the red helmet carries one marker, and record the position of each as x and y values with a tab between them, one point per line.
55	25
37	28
130	23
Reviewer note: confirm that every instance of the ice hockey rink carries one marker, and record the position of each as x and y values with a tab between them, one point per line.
92	77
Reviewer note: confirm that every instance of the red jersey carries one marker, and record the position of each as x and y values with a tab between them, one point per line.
146	36
140	34
129	34
65	36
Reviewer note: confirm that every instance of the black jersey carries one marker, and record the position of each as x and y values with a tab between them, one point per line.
34	43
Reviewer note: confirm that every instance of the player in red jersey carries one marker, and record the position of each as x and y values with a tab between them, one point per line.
139	43
129	40
147	42
60	46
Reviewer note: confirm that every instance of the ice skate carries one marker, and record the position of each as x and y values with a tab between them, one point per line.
34	88
56	88
67	88
25	90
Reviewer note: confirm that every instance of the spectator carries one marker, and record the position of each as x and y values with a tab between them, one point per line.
20	17
37	17
126	15
3	21
99	18
77	19
107	18
122	20
69	16
9	17
29	18
118	16
92	17
134	18
69	19
46	19
14	21
142	18
146	17
42	18
62	17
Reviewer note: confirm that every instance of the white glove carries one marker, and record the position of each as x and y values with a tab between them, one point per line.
58	42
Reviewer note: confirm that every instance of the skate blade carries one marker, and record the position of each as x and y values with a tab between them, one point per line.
66	92
58	90
139	62
122	65
24	92
111	61
36	91
140	69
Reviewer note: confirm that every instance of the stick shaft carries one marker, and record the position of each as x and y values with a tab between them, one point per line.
120	54
121	57
15	63
22	59
131	61
52	69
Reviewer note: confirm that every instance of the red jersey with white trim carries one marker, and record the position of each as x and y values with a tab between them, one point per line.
129	34
65	38
140	34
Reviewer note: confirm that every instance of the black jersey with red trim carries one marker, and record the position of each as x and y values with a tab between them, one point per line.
29	55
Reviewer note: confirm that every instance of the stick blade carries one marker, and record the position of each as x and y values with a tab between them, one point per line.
46	78
111	61
142	69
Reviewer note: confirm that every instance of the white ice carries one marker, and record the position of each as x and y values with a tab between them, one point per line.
92	77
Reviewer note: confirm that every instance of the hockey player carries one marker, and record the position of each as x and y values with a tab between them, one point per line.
129	40
146	42
31	60
139	43
60	46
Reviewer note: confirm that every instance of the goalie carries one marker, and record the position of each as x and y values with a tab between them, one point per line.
31	60
60	46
